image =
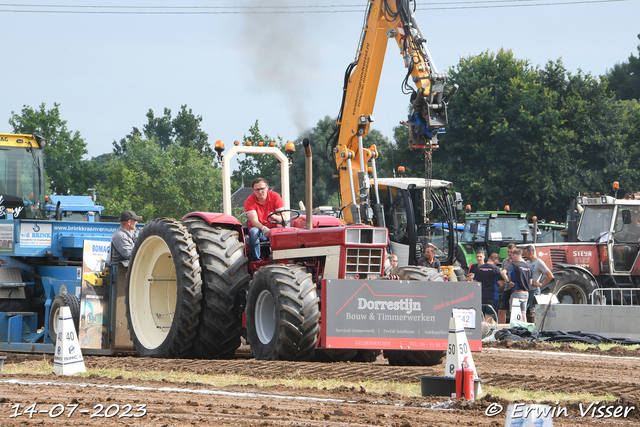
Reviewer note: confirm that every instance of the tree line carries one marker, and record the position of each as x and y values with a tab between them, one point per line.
520	135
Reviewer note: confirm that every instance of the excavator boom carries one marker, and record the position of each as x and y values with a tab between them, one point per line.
384	20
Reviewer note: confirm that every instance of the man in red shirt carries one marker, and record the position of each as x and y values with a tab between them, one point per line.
258	207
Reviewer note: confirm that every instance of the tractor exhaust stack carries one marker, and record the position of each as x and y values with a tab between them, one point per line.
309	182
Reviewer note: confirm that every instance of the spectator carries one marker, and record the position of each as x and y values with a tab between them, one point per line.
539	269
505	298
520	281
506	263
258	207
124	238
479	259
393	263
471	277
490	276
429	259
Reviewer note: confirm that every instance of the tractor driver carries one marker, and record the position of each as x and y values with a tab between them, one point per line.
627	242
124	237
258	207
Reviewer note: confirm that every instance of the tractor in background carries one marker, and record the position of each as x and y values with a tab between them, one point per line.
491	231
603	255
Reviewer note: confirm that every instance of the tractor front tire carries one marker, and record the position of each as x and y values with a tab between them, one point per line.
63	300
225	274
330	355
346	355
416	357
283	313
367	356
164	291
417	272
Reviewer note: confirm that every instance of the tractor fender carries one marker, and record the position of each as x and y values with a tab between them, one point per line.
559	266
213	218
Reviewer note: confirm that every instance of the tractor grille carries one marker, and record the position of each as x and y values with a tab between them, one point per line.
558	256
364	262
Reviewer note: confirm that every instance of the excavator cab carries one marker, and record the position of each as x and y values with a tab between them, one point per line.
404	205
396	215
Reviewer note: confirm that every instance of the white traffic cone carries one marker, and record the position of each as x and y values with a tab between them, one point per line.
458	351
516	315
68	357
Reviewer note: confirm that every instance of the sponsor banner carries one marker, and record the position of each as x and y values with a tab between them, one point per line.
6	238
94	304
35	235
398	314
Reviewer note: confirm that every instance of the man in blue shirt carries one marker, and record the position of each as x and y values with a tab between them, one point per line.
520	282
479	261
489	275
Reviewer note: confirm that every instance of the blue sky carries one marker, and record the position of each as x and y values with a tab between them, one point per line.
106	70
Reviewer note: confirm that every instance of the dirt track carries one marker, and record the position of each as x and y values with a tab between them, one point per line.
182	404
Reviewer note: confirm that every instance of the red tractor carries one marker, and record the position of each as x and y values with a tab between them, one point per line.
604	255
322	294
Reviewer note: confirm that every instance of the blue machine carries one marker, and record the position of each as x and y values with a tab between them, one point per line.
41	248
41	259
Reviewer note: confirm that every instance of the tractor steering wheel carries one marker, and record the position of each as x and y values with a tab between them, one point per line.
283	222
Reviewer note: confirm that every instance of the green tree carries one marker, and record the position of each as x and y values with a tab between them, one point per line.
530	137
63	164
593	134
326	185
624	78
161	183
184	130
95	171
499	142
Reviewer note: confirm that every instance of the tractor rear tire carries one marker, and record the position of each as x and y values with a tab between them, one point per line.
225	275
14	304
283	313
573	287
331	355
416	357
164	291
63	300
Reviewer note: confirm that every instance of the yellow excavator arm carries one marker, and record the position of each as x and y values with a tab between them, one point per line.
384	19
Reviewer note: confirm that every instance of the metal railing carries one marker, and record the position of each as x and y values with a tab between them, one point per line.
615	296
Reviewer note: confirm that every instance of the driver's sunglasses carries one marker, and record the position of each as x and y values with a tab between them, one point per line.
259	189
